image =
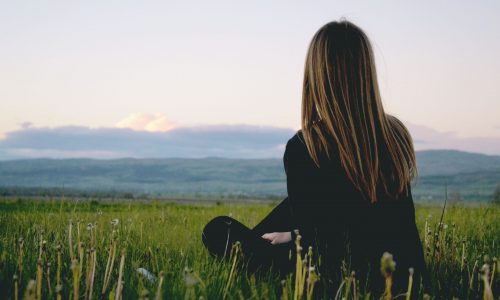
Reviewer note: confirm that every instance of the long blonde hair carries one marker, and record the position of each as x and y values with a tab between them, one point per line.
342	108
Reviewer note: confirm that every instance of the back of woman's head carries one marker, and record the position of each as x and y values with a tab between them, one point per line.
342	110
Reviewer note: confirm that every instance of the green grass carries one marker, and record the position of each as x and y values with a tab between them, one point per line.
166	238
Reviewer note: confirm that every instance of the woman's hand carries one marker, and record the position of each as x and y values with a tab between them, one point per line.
278	237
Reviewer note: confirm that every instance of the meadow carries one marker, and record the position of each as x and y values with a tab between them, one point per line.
68	249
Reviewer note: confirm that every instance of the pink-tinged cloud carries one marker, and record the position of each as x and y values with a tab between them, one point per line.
231	141
425	138
140	137
146	122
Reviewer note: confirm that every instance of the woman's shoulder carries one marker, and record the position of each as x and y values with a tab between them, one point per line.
296	157
296	145
296	150
399	128
296	139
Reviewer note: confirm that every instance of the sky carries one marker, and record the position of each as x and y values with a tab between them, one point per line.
146	68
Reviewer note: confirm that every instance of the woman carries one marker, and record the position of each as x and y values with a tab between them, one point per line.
348	173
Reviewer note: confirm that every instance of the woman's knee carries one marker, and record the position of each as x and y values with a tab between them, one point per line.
217	224
216	234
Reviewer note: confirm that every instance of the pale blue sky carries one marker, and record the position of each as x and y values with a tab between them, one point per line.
95	63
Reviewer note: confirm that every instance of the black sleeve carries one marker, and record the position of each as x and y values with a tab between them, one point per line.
302	178
278	220
420	265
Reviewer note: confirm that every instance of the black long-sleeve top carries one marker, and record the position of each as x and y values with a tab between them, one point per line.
334	218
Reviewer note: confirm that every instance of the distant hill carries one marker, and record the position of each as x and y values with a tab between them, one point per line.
470	176
441	162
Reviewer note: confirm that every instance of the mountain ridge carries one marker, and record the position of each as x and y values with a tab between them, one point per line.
469	175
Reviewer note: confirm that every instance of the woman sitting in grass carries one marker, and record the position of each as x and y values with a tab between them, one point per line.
348	174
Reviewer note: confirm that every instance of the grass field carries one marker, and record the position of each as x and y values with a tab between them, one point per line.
69	249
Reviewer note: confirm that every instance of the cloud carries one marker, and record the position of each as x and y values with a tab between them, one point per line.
232	141
146	122
242	141
26	125
425	138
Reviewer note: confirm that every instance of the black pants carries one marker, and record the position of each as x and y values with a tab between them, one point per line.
222	232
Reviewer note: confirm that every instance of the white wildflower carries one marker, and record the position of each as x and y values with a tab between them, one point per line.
148	275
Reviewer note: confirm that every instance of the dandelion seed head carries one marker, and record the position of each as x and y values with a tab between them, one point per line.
189	278
387	264
485	269
74	263
31	285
